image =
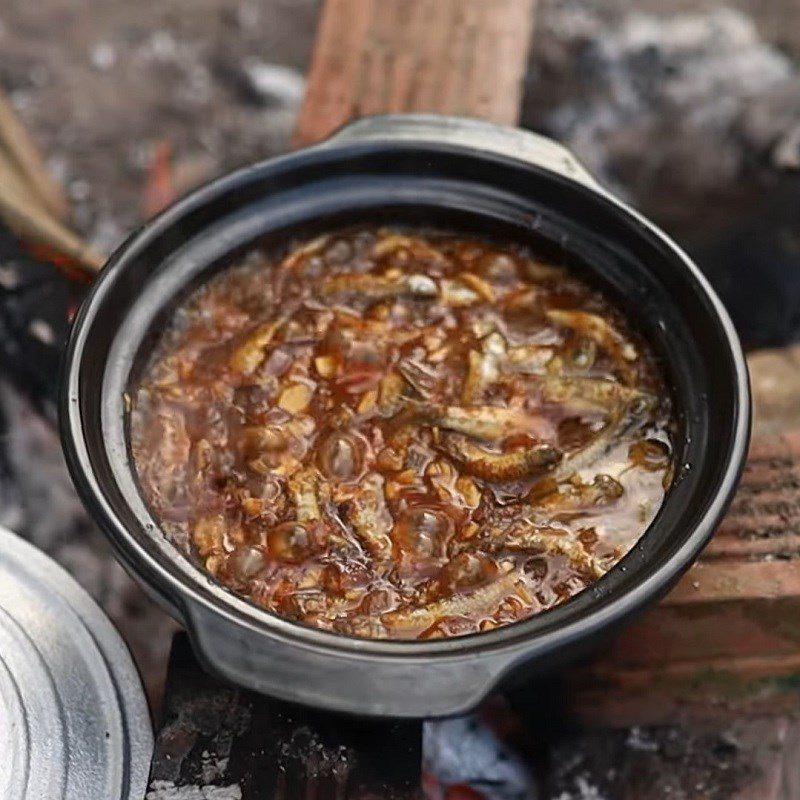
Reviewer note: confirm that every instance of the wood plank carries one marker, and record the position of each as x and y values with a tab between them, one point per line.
217	741
463	57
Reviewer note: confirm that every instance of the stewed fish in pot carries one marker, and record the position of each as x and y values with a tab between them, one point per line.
393	433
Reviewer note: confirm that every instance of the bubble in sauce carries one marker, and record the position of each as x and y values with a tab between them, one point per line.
291	542
341	456
423	532
245	563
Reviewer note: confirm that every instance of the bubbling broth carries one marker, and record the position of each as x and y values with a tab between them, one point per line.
402	434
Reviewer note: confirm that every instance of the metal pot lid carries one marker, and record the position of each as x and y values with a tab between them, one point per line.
75	723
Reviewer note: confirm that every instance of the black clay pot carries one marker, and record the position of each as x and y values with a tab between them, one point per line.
451	173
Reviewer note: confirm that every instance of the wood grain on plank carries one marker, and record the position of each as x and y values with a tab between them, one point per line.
464	57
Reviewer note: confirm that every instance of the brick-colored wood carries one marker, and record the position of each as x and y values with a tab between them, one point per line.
755	554
463	57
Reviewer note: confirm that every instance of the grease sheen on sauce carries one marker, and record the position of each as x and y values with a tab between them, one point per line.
402	434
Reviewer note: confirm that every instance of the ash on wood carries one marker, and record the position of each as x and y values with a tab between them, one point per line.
237	745
446	56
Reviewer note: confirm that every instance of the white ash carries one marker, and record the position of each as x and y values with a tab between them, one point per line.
167	790
21	99
465	750
105	233
786	153
38	500
39	75
212	767
694	83
306	752
58	168
640	739
274	84
79	190
583	789
160	46
103	56
247	16
9	277
42	331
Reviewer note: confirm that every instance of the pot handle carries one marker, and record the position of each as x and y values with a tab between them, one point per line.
476	134
340	679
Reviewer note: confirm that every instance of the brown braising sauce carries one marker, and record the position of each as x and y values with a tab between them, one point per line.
399	434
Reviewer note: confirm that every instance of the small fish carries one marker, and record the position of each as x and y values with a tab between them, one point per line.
379	287
248	357
482	602
500	467
483	368
303	489
590	394
582	354
482	287
574	498
365	627
524	536
530	359
305	251
420	376
465	290
622	421
458	295
494	344
369	517
482	371
539	271
389	391
489	423
419	248
601	332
